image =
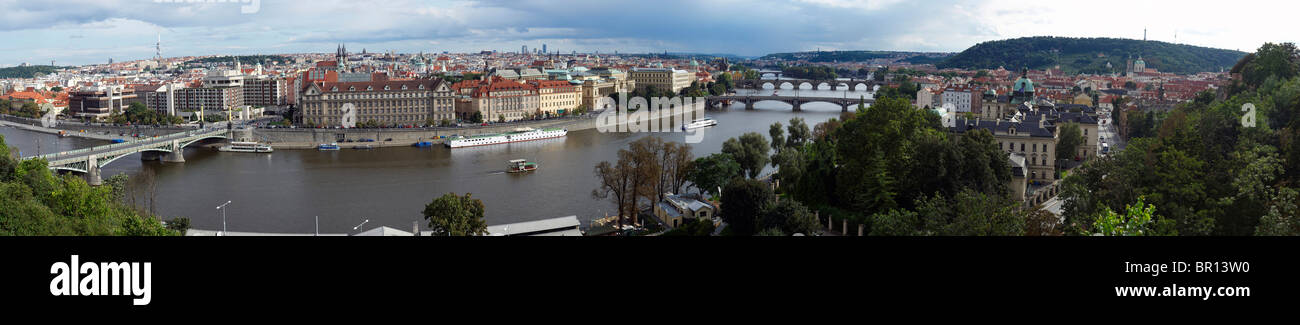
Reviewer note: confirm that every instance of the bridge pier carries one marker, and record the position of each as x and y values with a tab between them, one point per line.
92	172
174	157
844	106
150	155
796	106
177	155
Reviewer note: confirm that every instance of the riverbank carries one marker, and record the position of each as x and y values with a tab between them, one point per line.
79	134
306	138
91	131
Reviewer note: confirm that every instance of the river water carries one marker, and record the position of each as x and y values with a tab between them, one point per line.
285	190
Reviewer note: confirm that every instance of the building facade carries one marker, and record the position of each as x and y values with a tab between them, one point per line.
665	79
265	92
964	98
557	97
383	102
1031	137
498	99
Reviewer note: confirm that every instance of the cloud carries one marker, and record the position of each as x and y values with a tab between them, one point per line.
126	29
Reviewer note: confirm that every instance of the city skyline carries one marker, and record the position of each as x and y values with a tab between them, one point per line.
79	32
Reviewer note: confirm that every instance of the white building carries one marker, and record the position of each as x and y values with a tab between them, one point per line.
961	97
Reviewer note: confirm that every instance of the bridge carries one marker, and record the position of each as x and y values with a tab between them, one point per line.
794	101
88	161
834	84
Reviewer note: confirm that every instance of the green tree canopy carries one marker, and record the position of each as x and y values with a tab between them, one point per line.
743	201
713	172
750	151
455	215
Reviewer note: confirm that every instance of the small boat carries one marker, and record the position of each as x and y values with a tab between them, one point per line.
700	123
363	147
117	141
520	166
423	144
252	147
328	146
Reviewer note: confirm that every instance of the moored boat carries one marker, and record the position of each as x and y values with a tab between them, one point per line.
252	147
328	146
519	135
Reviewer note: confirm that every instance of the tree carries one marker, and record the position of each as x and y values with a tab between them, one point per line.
750	151
1130	85
1137	221
790	165
38	203
743	201
791	217
713	172
778	136
693	227
455	215
647	172
1068	142
477	117
616	184
799	134
1281	61
1283	217
718	89
971	213
895	222
724	79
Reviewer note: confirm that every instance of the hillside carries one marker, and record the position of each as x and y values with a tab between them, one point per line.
27	71
1090	55
854	56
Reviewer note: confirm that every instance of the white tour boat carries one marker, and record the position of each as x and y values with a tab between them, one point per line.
519	135
253	147
700	123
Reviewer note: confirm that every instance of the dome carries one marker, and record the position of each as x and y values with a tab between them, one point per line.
1024	84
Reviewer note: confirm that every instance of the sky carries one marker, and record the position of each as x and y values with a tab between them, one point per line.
76	32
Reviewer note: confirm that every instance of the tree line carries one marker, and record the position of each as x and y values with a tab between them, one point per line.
1205	167
38	203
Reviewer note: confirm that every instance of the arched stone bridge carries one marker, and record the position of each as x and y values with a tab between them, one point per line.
88	161
794	101
796	83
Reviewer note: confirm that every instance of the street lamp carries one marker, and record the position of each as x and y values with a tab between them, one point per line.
362	224
223	217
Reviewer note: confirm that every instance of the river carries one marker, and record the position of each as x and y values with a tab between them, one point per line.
285	190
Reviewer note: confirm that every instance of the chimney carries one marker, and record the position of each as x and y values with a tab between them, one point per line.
415	228
1040	120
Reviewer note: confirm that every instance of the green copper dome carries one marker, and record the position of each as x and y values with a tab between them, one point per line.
1023	84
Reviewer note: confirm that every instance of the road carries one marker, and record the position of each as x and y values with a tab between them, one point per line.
1108	131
